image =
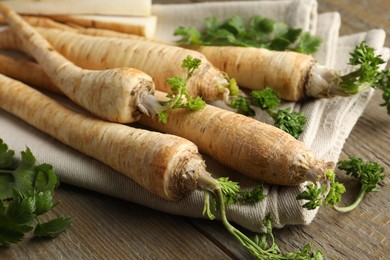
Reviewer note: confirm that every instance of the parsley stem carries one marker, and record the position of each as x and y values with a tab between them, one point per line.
351	207
248	243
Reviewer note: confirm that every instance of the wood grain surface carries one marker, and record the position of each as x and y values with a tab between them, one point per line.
108	228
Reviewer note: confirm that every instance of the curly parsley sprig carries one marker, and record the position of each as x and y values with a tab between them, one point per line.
179	98
266	99
26	193
383	83
366	75
367	174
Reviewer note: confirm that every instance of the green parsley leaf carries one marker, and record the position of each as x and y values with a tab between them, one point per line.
266	99
308	43
163	117
52	228
313	195
43	202
290	121
6	186
25	174
233	87
252	196
383	83
242	105
6	155
46	179
189	35
21	209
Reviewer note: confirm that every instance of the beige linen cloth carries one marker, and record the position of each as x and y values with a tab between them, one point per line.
329	120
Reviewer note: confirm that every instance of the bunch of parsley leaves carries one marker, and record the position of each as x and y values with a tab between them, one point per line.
26	193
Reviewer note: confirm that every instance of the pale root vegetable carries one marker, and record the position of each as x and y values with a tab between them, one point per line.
115	95
26	71
158	60
46	22
144	26
294	76
39	21
255	149
165	165
102	7
137	25
9	41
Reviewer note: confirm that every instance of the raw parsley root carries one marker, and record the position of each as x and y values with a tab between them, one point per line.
26	193
368	174
40	21
253	148
295	76
160	61
258	150
233	48
12	67
15	67
119	95
166	165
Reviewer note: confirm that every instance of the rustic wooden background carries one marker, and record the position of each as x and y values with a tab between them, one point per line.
108	228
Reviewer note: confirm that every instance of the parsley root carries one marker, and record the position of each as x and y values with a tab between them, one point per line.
97	91
13	67
253	148
166	165
258	150
158	60
293	76
254	53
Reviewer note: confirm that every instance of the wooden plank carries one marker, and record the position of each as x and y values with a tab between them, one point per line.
107	228
360	16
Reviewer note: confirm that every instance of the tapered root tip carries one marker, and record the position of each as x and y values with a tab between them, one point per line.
207	182
317	173
323	83
149	105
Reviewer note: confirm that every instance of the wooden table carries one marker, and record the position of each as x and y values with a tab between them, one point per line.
108	228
